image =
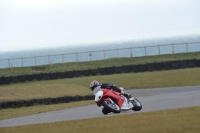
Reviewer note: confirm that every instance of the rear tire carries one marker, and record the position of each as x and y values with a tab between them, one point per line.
137	105
111	107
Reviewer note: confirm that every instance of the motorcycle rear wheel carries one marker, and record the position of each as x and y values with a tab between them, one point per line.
112	107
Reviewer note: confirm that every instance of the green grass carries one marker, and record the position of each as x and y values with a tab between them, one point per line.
95	64
42	89
17	112
80	85
182	120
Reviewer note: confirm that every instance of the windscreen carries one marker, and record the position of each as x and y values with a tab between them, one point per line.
96	89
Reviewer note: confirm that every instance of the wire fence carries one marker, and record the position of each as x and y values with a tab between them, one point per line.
101	55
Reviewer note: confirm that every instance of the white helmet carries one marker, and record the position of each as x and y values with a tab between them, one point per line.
94	84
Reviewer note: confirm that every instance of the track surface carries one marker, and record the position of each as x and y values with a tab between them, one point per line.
151	99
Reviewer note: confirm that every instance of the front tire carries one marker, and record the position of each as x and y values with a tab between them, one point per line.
105	111
111	107
137	105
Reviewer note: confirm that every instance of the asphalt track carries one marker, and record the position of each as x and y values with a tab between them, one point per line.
151	99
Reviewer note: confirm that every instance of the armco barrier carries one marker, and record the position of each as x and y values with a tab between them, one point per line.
159	66
110	70
183	64
53	75
15	79
30	77
151	67
118	69
142	67
94	71
102	71
127	69
7	80
192	63
1	80
198	62
167	65
45	76
69	74
38	76
22	78
61	75
135	68
32	102
85	72
175	64
77	73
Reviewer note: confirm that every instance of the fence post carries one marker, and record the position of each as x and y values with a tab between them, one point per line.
76	57
35	61
131	54
22	62
62	58
173	49
187	47
8	63
159	49
118	53
49	60
90	54
145	50
51	64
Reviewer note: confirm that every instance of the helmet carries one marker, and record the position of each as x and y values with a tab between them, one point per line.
94	84
122	90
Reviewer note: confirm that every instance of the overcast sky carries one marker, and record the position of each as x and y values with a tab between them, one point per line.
30	24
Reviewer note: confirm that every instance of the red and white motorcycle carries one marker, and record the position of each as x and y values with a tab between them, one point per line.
115	102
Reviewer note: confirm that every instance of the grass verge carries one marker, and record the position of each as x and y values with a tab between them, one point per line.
12	113
74	86
80	86
182	120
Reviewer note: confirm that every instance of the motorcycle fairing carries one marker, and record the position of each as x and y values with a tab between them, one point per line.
98	96
104	94
126	105
121	100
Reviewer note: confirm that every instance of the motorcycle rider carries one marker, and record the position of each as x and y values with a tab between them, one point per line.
95	83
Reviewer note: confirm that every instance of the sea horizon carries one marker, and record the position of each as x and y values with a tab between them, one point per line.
14	57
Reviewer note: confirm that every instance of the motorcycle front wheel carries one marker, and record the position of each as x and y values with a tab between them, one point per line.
137	105
105	111
112	107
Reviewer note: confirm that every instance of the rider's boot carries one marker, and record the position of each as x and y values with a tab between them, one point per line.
128	96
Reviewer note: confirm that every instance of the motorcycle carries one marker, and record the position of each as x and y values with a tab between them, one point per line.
115	102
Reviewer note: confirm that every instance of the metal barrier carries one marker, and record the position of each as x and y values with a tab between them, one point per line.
101	55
